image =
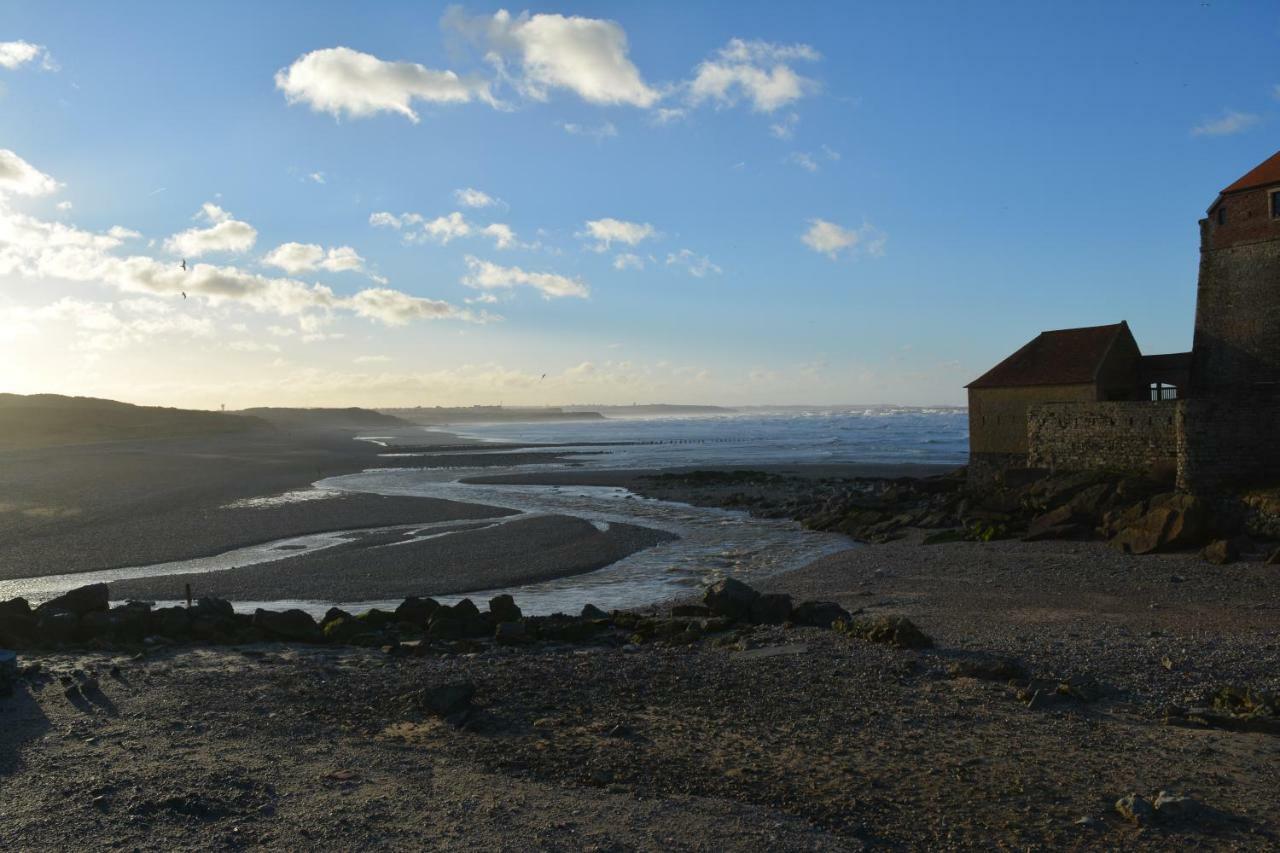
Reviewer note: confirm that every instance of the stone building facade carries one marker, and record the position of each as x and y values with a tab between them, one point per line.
1077	399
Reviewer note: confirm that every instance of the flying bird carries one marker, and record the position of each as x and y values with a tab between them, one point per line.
544	376
184	264
184	294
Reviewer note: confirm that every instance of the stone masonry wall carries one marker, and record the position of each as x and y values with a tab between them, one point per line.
1226	444
1122	436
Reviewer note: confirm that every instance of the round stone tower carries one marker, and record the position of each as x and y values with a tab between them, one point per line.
1236	350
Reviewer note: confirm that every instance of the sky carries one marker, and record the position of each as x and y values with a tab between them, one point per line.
401	204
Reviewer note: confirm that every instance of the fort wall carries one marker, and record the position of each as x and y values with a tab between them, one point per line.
1137	436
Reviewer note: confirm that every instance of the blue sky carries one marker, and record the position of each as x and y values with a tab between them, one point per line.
756	203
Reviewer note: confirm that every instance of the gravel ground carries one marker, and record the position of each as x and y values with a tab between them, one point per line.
383	566
786	739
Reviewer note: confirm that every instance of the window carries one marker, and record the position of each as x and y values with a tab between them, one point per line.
1275	204
1222	213
1163	391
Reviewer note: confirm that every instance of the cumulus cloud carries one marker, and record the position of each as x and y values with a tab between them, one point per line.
14	54
225	233
19	177
628	261
1230	122
444	229
698	266
486	275
538	53
472	197
341	81
608	231
294	258
38	249
831	239
101	326
757	71
786	127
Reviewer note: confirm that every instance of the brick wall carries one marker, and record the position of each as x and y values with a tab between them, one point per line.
998	416
1125	436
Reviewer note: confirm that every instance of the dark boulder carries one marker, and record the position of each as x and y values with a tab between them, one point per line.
416	611
503	609
448	700
891	630
333	614
288	625
57	626
213	608
173	623
731	598
1171	523
374	619
512	634
18	629
590	611
1221	552
690	611
82	600
819	614
772	608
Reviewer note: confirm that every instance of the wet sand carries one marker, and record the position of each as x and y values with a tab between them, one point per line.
486	555
99	506
637	479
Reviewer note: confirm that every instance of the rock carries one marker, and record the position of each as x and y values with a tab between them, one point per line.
82	600
18	628
1136	809
819	614
466	608
342	629
1170	806
590	611
892	630
987	669
57	626
1051	524
448	700
503	609
416	611
1221	552
512	634
771	609
374	619
289	625
690	611
731	598
1173	522
333	614
171	622
213	608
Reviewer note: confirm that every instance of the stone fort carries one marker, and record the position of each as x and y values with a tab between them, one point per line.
1084	399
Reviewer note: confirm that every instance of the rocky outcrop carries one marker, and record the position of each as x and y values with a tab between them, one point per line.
1172	522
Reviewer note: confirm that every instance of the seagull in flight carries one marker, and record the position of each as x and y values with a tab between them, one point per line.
184	294
184	264
544	376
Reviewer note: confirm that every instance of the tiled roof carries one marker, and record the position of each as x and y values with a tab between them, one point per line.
1266	172
1062	357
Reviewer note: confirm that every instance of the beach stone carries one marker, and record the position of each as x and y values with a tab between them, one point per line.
690	611
1173	522
416	611
447	700
171	622
58	626
333	614
18	628
512	634
772	608
503	609
819	614
466	608
289	624
82	600
731	598
1170	806
891	630
1221	552
213	608
1135	808
342	629
590	611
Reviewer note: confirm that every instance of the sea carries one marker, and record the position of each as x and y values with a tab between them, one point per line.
710	542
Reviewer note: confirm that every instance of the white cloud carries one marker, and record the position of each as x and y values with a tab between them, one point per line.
628	261
598	133
224	234
101	326
486	275
445	229
339	80
830	153
699	266
64	206
537	53
294	258
372	359
1229	123
19	177
17	53
755	70
831	239
666	115
785	128
471	197
803	160
608	231
396	309
316	177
